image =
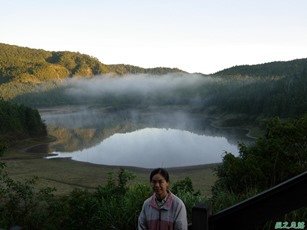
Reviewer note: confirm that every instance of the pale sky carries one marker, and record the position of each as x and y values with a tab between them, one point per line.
193	35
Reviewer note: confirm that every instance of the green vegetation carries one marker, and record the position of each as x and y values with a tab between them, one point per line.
277	156
274	158
113	206
19	122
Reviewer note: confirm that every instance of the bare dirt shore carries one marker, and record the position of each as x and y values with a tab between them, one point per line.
65	174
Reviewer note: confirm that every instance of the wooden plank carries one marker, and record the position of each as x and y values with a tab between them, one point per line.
277	201
200	214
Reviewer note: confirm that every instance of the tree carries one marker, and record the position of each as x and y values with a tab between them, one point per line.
18	121
274	158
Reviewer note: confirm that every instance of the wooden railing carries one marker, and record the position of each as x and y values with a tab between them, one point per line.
248	214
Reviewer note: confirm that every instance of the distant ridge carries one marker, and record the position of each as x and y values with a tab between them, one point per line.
131	69
270	69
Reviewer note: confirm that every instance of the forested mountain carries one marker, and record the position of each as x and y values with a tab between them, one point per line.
24	70
22	64
267	70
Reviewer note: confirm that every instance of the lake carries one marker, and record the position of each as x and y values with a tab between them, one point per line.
155	147
146	140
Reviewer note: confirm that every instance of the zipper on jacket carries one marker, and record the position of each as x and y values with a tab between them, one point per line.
159	218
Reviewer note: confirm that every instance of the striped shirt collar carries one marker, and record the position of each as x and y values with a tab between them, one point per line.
160	203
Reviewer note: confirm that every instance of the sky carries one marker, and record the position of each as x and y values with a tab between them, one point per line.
203	36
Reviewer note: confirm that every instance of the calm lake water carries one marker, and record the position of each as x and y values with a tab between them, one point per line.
155	147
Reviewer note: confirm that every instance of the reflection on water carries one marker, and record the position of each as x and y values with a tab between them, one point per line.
155	147
78	128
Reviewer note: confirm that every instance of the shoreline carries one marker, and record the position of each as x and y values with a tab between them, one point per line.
38	151
66	174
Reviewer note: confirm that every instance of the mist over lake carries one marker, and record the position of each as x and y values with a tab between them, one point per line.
140	139
142	121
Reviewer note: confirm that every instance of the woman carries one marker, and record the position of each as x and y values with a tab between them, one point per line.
163	210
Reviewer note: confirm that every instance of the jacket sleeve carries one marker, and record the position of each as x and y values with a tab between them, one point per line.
142	223
181	221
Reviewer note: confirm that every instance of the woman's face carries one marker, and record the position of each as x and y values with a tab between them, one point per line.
159	185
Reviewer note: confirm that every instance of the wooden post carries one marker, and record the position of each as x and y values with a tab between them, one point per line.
200	214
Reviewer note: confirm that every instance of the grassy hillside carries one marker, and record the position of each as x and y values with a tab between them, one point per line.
20	64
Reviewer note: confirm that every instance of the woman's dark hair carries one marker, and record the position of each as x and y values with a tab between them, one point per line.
161	171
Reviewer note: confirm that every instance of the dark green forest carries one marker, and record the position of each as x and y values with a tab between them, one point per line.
19	122
283	97
271	70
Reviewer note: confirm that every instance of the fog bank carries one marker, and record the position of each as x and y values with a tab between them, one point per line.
142	84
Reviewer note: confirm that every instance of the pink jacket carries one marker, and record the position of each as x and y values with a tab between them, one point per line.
171	216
